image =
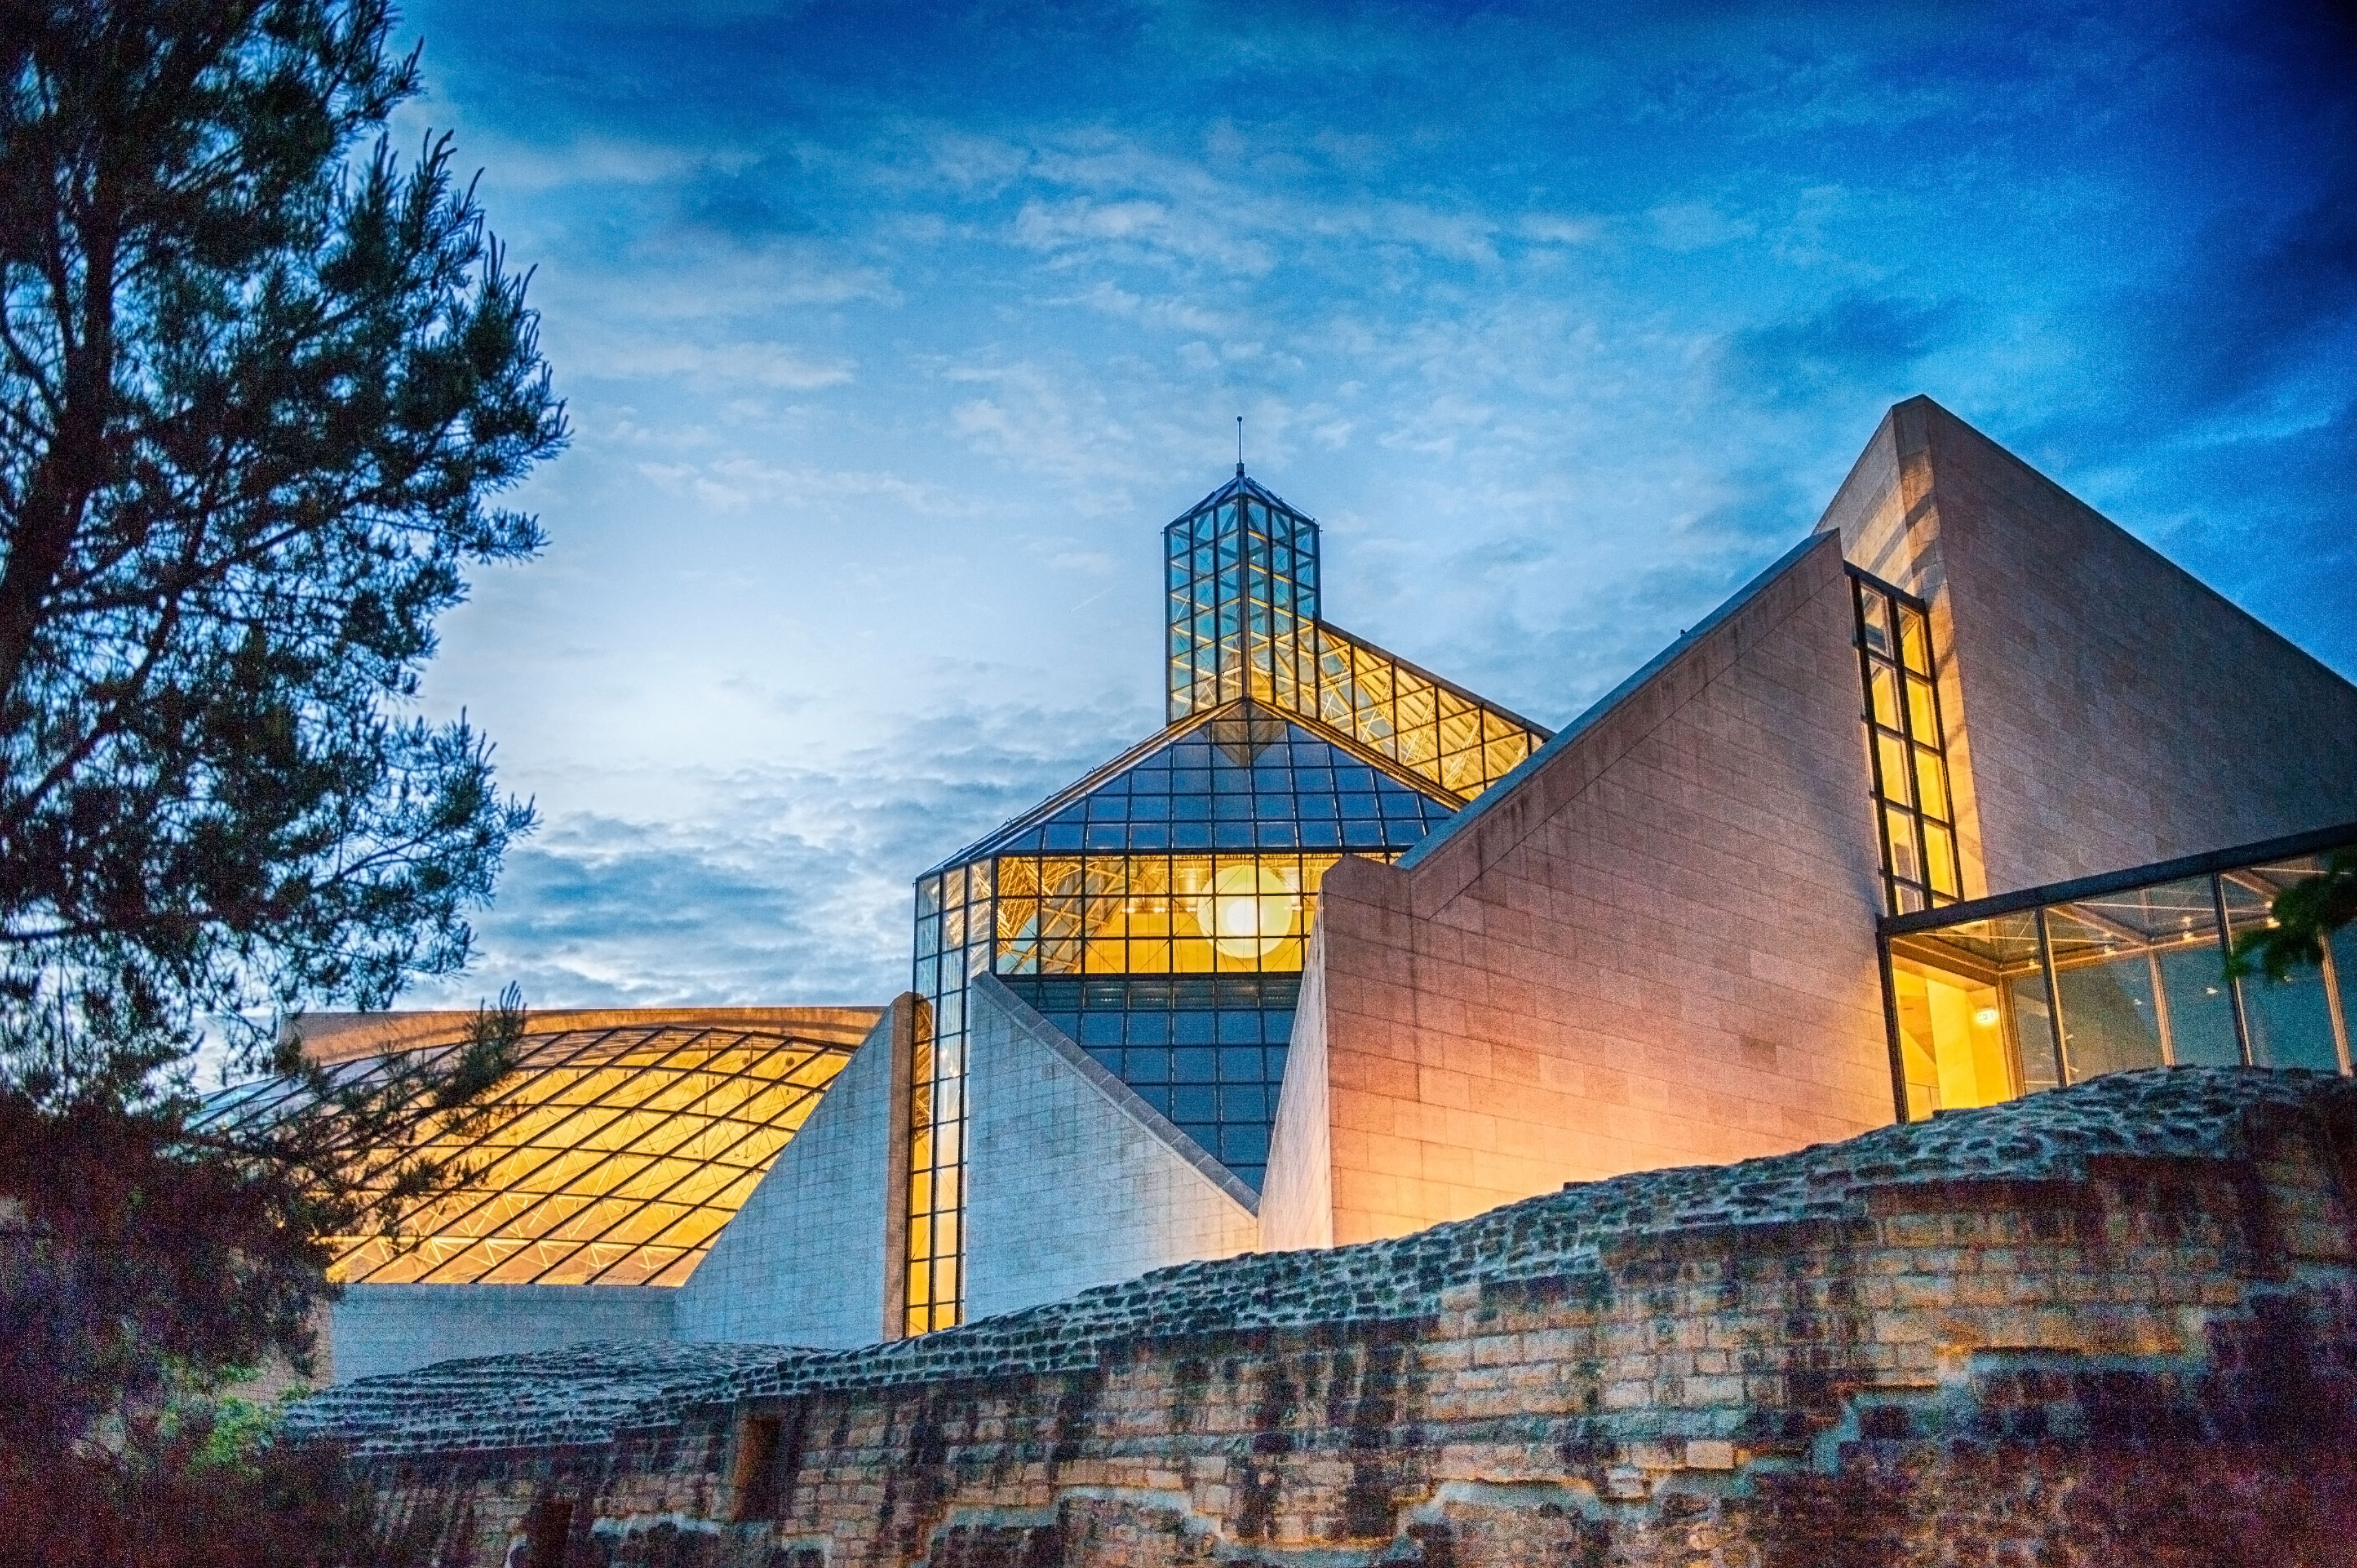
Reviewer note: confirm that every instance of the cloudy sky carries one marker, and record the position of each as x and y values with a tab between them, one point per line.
893	335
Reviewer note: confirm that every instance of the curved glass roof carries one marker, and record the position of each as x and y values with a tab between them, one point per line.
615	1156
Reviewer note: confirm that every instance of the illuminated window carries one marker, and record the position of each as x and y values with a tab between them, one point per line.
1242	569
1198	854
1159	910
2007	995
1906	755
615	1157
1244	624
1449	736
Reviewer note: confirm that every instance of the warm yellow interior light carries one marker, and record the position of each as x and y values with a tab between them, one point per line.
1985	1017
1251	910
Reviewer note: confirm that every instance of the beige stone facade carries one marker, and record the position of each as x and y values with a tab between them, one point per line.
1654	943
1654	946
2109	709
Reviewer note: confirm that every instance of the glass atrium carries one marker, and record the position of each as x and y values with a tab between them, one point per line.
2007	995
1157	910
612	1156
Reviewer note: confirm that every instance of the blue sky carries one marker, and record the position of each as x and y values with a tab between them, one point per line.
893	334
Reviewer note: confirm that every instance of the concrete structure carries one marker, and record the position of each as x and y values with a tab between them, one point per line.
602	1174
1653	947
803	1263
2112	1324
377	1329
1655	943
1079	1182
2110	709
1960	800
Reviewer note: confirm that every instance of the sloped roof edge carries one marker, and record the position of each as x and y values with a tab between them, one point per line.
1406	777
1603	707
1131	1103
1242	486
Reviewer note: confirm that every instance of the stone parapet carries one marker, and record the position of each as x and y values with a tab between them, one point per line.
2116	1323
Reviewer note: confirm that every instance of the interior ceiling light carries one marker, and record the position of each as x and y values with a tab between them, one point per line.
1251	911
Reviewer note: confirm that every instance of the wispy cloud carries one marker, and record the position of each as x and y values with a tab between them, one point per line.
766	364
773	884
894	335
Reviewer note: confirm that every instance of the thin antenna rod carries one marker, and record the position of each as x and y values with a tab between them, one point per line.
1240	446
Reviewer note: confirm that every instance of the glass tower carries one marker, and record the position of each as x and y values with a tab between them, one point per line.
1157	910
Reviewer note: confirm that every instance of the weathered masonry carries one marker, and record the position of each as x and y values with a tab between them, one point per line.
2108	1324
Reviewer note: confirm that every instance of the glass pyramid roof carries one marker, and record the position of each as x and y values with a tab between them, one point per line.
1240	778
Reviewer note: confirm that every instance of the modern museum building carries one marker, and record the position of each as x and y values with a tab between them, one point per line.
1962	799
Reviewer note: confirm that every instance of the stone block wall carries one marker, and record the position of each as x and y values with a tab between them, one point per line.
2116	1324
2107	708
1652	945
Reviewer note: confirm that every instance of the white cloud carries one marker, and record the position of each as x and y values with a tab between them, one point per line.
1470	278
1697	226
766	364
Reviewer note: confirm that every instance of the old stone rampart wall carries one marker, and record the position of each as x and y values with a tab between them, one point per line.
2114	1324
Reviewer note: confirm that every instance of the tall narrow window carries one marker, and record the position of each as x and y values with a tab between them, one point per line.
1907	754
953	924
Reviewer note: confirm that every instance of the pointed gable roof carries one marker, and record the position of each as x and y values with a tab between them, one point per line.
1237	778
1243	485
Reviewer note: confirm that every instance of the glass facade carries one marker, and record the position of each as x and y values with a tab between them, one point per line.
1907	753
614	1157
2009	995
1241	568
1243	579
1207	1051
1159	910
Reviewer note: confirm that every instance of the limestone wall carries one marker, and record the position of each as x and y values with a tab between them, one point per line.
2116	1324
2114	710
803	1262
1073	1180
1652	945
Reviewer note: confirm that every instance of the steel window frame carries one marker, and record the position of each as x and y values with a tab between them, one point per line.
2214	865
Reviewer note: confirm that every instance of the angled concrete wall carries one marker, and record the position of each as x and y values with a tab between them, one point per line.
2114	710
1651	945
1072	1179
1297	1200
394	1328
803	1262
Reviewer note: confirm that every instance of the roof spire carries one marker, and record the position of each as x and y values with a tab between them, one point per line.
1240	446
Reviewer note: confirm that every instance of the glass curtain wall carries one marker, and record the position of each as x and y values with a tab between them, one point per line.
1907	752
1241	570
612	1157
1159	910
1446	735
1244	624
1181	881
1206	1050
2016	994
